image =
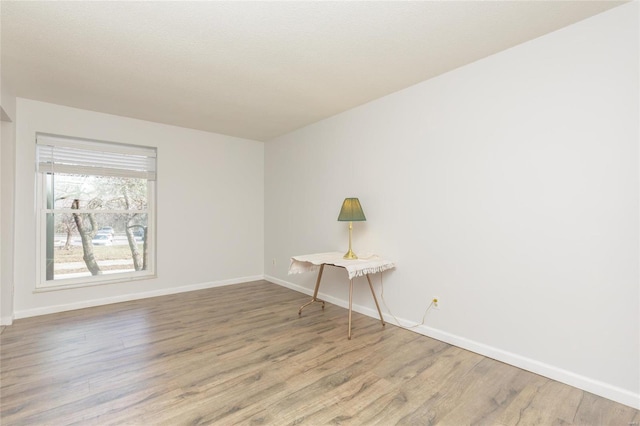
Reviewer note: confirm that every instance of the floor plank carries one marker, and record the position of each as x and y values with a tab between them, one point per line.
241	355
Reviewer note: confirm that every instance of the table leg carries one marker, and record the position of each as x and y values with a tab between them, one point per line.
375	299
350	301
315	292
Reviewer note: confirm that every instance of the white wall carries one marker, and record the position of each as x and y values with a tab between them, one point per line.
509	188
7	167
210	206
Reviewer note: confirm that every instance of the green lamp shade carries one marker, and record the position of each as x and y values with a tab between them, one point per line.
351	211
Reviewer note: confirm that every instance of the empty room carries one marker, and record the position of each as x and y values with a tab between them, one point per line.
356	213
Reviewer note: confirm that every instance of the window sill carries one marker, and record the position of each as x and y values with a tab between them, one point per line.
97	282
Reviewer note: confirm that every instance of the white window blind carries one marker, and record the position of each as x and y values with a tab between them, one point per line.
56	154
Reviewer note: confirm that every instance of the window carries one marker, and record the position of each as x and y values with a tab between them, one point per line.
96	204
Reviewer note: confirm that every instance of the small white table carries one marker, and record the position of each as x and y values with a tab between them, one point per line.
362	266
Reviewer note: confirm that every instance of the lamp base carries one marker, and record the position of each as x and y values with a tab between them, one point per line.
350	255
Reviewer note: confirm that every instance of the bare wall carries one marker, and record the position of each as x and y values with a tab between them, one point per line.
210	201
7	167
509	188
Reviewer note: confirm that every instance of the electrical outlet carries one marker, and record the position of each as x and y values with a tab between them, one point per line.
436	302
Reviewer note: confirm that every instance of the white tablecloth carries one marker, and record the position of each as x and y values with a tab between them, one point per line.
365	264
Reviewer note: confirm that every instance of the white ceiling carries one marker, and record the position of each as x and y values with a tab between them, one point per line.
253	69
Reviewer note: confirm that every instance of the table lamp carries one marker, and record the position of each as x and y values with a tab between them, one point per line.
351	211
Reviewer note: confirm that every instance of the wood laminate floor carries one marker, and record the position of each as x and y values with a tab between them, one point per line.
241	355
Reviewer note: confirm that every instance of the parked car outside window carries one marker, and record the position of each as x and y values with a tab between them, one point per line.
106	230
102	240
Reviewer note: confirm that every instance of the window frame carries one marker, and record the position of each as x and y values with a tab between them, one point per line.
43	209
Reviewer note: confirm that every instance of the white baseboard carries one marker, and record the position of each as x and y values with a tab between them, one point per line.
588	384
585	383
8	320
128	297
